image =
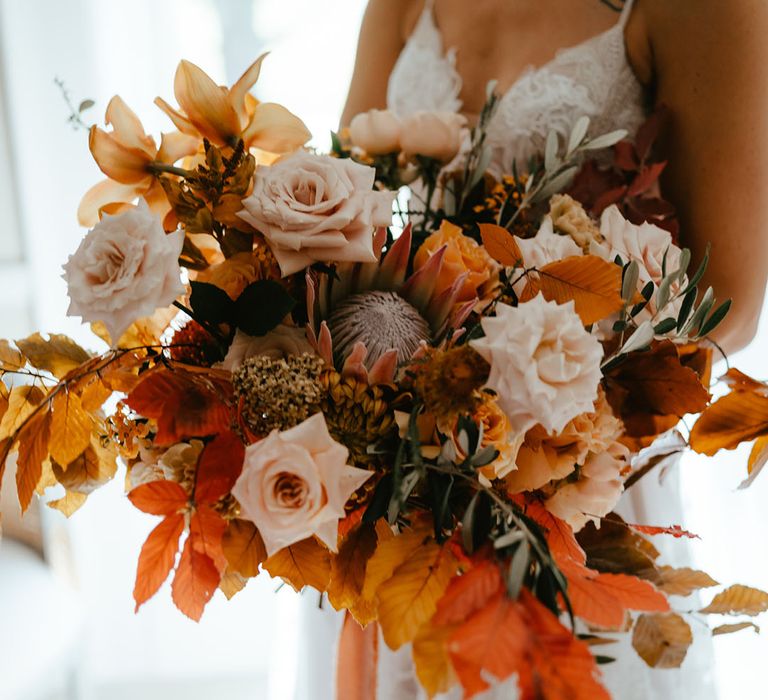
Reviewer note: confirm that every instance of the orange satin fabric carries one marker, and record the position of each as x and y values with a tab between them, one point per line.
356	661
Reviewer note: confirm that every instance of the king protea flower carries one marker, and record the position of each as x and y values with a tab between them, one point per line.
126	155
371	317
225	115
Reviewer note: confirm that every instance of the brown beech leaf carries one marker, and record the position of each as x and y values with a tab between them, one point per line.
306	563
21	403
737	417
69	503
409	598
593	284
10	358
738	600
738	381
735	627
33	451
231	583
758	458
57	355
195	582
91	469
501	245
348	566
71	427
662	641
243	547
157	557
431	659
684	581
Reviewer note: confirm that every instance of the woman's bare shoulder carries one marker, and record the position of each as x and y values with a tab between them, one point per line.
402	14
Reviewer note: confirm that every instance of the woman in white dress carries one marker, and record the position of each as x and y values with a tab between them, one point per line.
556	60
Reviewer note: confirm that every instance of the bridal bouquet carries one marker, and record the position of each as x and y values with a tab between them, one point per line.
430	419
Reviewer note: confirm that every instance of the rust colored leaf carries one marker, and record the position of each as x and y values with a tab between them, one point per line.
560	538
306	563
736	418
195	582
501	245
468	593
206	531
348	566
662	641
157	557
33	451
675	530
243	547
220	463
593	284
159	497
738	600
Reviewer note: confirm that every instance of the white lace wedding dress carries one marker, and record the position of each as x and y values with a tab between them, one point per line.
595	79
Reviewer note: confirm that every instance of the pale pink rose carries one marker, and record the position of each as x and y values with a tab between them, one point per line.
377	132
295	483
314	208
124	269
544	248
545	367
281	342
435	135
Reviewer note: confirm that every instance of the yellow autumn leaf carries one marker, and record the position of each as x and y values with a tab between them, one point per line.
70	428
94	394
662	641
47	479
738	600
409	598
22	402
69	503
737	417
682	582
431	659
390	554
3	400
306	563
10	358
57	355
33	451
593	284
145	331
243	548
349	564
92	468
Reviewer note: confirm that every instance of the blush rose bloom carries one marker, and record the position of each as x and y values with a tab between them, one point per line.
295	483
377	132
124	269
435	135
283	341
314	208
545	367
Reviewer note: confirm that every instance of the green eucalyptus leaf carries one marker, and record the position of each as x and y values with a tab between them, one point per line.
518	568
715	319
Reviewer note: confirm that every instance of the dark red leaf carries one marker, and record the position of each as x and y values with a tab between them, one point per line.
220	463
157	557
195	582
159	497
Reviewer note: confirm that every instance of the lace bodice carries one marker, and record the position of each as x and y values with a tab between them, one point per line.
593	78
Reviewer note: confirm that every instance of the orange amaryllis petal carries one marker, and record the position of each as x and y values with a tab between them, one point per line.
206	104
273	128
175	146
239	91
100	196
157	200
179	120
127	128
117	161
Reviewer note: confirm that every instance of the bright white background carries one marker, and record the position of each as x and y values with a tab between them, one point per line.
244	648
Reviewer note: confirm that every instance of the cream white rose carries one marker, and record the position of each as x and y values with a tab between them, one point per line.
435	135
314	208
295	483
125	268
545	367
283	341
377	132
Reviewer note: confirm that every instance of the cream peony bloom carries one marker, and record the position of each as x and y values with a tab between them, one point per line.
295	484
283	341
377	132
314	208
545	367
125	268
435	135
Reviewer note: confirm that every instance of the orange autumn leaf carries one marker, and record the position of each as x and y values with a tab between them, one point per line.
33	450
468	593
559	535
243	547
206	531
195	582
736	418
675	530
593	284
431	660
185	403
306	563
157	557
159	497
738	381
348	566
218	467
501	245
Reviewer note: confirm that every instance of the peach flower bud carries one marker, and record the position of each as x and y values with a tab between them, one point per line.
295	484
433	135
377	132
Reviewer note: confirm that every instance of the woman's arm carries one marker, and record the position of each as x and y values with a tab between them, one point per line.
707	60
379	45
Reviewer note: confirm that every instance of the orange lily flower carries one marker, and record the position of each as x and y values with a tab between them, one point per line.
225	115
126	156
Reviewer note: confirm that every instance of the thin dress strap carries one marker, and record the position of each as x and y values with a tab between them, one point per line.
626	12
